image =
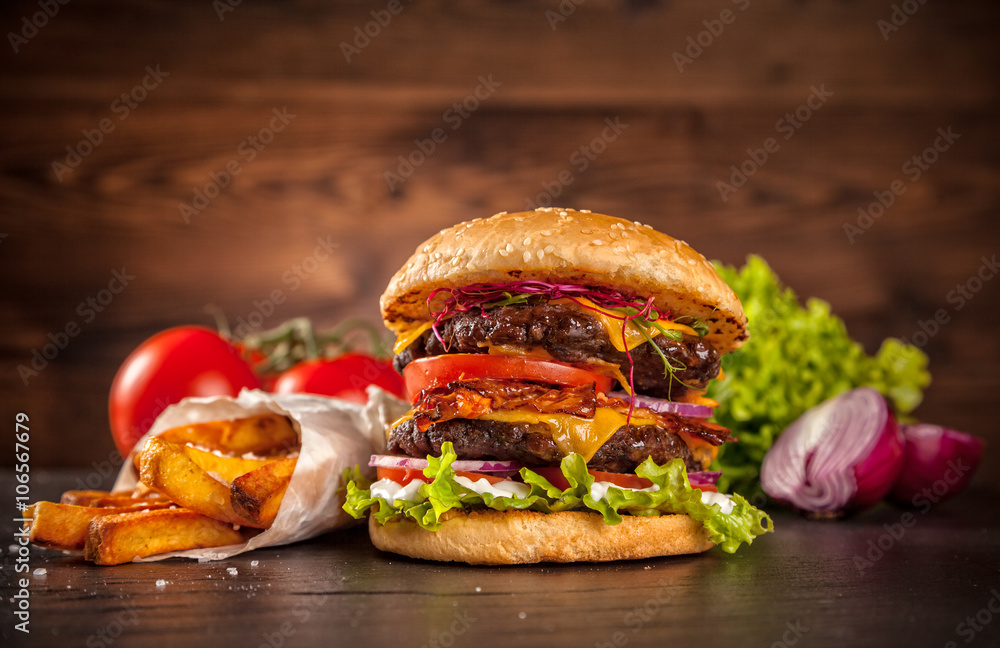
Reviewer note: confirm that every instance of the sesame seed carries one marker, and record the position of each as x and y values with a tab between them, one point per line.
597	242
563	213
540	254
427	249
527	240
584	211
437	255
624	234
510	247
619	248
527	256
546	233
519	218
502	252
586	230
460	251
549	249
612	236
500	213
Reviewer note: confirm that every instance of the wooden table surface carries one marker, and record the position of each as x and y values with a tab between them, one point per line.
808	584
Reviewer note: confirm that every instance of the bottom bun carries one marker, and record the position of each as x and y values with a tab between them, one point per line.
514	537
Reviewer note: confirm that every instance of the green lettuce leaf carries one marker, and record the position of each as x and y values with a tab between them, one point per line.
797	357
675	495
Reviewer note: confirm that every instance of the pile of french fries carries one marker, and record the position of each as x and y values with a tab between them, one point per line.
200	485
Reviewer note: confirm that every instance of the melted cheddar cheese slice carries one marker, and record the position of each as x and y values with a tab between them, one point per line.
572	433
611	321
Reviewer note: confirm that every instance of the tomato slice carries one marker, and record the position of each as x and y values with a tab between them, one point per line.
404	476
711	489
437	371
625	480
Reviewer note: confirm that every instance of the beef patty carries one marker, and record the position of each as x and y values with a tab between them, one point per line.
529	444
571	336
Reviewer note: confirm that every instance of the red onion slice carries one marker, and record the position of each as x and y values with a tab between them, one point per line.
937	464
842	455
704	478
667	407
412	463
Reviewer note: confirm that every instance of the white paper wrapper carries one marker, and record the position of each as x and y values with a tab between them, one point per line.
335	435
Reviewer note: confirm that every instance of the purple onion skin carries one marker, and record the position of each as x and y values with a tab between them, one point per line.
938	463
877	473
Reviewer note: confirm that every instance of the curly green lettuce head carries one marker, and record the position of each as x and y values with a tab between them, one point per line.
797	357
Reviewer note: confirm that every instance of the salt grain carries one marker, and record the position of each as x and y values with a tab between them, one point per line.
41	571
160	584
522	615
232	571
254	563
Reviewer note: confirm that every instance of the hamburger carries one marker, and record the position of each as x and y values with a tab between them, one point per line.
557	362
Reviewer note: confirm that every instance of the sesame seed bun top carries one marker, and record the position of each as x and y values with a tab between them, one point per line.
568	246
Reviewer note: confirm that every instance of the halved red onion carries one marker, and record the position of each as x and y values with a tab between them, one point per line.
667	407
937	464
470	465
704	478
840	456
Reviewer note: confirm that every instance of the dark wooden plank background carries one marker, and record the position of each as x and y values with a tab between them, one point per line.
323	176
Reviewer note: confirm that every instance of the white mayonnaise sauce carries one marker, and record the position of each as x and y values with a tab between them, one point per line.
600	488
391	491
723	500
503	489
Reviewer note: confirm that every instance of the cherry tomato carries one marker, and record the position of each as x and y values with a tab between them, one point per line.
404	476
438	371
345	377
171	365
626	480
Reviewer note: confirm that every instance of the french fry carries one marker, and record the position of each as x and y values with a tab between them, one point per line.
264	434
166	467
100	499
229	468
117	539
64	526
257	495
